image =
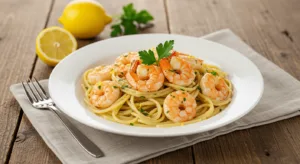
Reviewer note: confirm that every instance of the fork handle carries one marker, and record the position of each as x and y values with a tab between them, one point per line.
86	143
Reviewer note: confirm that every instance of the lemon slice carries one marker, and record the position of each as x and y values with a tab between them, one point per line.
53	44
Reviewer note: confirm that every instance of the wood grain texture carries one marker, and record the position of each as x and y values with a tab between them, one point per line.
272	28
17	29
29	147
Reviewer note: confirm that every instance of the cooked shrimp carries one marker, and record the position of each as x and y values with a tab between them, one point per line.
180	106
177	70
100	73
122	63
127	58
104	94
196	63
121	69
214	87
145	78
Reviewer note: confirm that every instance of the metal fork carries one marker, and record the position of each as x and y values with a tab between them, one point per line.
39	99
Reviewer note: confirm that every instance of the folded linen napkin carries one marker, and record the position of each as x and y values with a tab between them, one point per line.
281	100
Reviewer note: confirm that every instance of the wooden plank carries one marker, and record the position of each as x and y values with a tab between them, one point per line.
29	147
261	24
17	38
177	157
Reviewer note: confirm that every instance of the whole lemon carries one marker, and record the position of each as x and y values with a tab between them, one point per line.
84	18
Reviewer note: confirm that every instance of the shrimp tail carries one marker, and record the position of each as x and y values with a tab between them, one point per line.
165	64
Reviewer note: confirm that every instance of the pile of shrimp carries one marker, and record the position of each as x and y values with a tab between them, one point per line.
180	89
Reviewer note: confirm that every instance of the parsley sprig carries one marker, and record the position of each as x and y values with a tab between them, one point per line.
130	21
163	50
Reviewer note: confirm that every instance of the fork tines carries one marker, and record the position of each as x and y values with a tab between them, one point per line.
34	90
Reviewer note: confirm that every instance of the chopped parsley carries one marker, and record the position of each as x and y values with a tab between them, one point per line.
168	111
145	113
115	86
182	89
142	97
124	86
198	87
99	87
184	99
131	124
214	73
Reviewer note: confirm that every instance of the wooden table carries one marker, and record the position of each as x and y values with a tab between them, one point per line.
272	27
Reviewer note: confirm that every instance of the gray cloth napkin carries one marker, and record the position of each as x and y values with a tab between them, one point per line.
281	100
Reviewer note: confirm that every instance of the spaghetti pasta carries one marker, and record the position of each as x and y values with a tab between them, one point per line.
145	108
179	91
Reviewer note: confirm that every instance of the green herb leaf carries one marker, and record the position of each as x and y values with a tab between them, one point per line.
168	111
184	99
145	113
131	124
142	97
115	87
130	20
116	30
214	73
124	86
148	58
129	12
198	87
143	17
99	87
129	27
163	50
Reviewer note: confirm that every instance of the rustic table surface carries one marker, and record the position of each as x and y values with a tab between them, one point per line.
271	27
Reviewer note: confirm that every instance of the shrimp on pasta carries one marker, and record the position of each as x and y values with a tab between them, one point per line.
180	106
99	73
104	94
157	87
145	78
177	70
214	87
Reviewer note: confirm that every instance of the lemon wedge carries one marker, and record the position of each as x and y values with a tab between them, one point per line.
84	18
53	44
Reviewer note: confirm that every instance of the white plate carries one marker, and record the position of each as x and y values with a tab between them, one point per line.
65	81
